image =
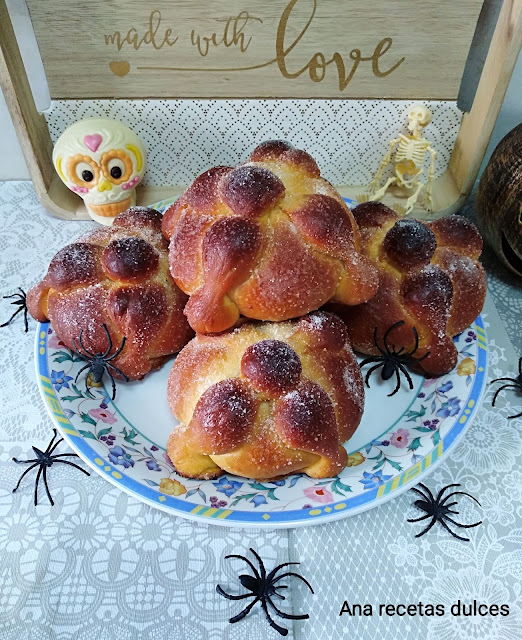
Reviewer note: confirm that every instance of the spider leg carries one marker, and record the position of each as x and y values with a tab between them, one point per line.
230	596
439	495
63	455
274	571
387	333
416	345
434	520
109	341
514	380
369	373
112	381
55	434
25	472
452	532
504	386
287	616
245	611
420	493
291	573
421	358
82	369
463	526
430	494
398	385
260	562
89	353
118	350
25	319
256	573
126	378
516	416
272	622
12	317
55	445
450	504
419	519
408	377
74	465
46	486
462	493
451	511
36	486
520	366
24	461
366	361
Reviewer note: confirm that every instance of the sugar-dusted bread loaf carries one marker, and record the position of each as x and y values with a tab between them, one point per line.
119	276
265	400
429	276
269	240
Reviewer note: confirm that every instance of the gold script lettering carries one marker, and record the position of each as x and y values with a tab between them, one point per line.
232	34
132	38
317	64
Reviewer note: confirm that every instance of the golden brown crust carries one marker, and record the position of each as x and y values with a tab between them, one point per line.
265	400
306	249
116	276
429	277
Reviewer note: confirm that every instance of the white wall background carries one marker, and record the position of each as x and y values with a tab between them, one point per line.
13	167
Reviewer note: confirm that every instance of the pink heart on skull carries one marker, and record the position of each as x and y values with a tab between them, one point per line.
93	141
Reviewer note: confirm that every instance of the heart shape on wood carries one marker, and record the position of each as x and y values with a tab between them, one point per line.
120	69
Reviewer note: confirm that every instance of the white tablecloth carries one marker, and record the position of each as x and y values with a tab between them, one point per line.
100	565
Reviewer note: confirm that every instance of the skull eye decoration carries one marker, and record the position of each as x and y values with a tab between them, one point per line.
116	166
83	172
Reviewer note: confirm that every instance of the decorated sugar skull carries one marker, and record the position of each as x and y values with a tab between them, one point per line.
102	161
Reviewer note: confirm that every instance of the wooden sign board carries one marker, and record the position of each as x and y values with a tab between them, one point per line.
252	49
409	49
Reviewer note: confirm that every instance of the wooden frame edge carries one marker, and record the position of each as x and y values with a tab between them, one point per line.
450	190
477	125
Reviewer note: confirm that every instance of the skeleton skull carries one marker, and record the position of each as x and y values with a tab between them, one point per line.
102	161
418	117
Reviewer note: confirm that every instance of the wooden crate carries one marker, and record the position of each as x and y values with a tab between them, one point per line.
387	49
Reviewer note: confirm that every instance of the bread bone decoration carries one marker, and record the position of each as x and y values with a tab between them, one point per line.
118	276
269	240
429	276
265	400
499	201
101	160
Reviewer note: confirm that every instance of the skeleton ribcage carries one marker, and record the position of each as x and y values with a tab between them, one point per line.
414	150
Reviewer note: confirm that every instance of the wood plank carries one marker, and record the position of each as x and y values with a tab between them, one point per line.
242	48
477	125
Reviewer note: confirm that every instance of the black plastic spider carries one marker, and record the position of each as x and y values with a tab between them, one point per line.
392	361
516	383
98	363
43	460
438	510
263	587
21	303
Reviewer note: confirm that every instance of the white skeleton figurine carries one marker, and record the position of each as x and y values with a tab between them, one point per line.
409	160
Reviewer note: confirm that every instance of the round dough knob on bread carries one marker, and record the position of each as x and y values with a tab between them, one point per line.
429	277
117	276
269	240
265	400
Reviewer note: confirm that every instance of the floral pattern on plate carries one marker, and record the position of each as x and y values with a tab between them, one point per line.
402	452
